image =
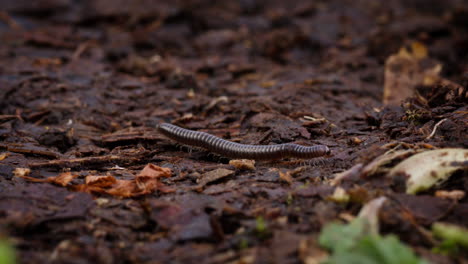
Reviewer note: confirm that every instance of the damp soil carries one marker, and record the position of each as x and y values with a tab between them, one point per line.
83	85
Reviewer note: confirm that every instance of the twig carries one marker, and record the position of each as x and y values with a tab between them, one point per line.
435	128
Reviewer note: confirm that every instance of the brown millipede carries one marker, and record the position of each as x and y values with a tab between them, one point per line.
240	151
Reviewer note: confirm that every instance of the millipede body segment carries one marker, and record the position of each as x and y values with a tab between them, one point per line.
240	151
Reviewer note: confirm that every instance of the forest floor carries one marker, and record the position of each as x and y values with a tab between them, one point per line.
86	178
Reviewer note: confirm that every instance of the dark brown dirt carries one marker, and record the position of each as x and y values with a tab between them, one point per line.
84	83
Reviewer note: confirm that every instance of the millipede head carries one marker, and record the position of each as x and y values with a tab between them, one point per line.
328	152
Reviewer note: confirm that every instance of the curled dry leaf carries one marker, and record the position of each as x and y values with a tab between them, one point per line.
378	164
370	212
429	168
63	179
154	171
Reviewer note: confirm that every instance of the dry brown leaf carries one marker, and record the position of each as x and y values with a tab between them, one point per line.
3	156
124	188
100	181
63	179
152	170
352	172
406	70
146	182
214	175
286	177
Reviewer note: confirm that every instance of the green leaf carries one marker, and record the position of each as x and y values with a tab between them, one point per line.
7	253
260	225
453	238
352	244
261	228
338	237
387	250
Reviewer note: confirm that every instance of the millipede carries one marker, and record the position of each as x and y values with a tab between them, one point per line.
235	150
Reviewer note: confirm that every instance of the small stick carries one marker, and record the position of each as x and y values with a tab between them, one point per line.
435	128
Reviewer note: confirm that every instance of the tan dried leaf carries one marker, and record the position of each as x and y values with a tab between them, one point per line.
406	70
243	164
21	172
286	177
455	195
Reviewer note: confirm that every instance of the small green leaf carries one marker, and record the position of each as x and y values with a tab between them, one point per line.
243	243
260	225
387	250
7	253
339	237
261	228
353	244
454	237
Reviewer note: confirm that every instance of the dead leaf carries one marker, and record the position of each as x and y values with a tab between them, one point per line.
429	168
124	189
3	156
370	212
350	173
100	181
286	177
152	170
146	182
63	179
406	70
214	175
378	164
21	172
243	164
